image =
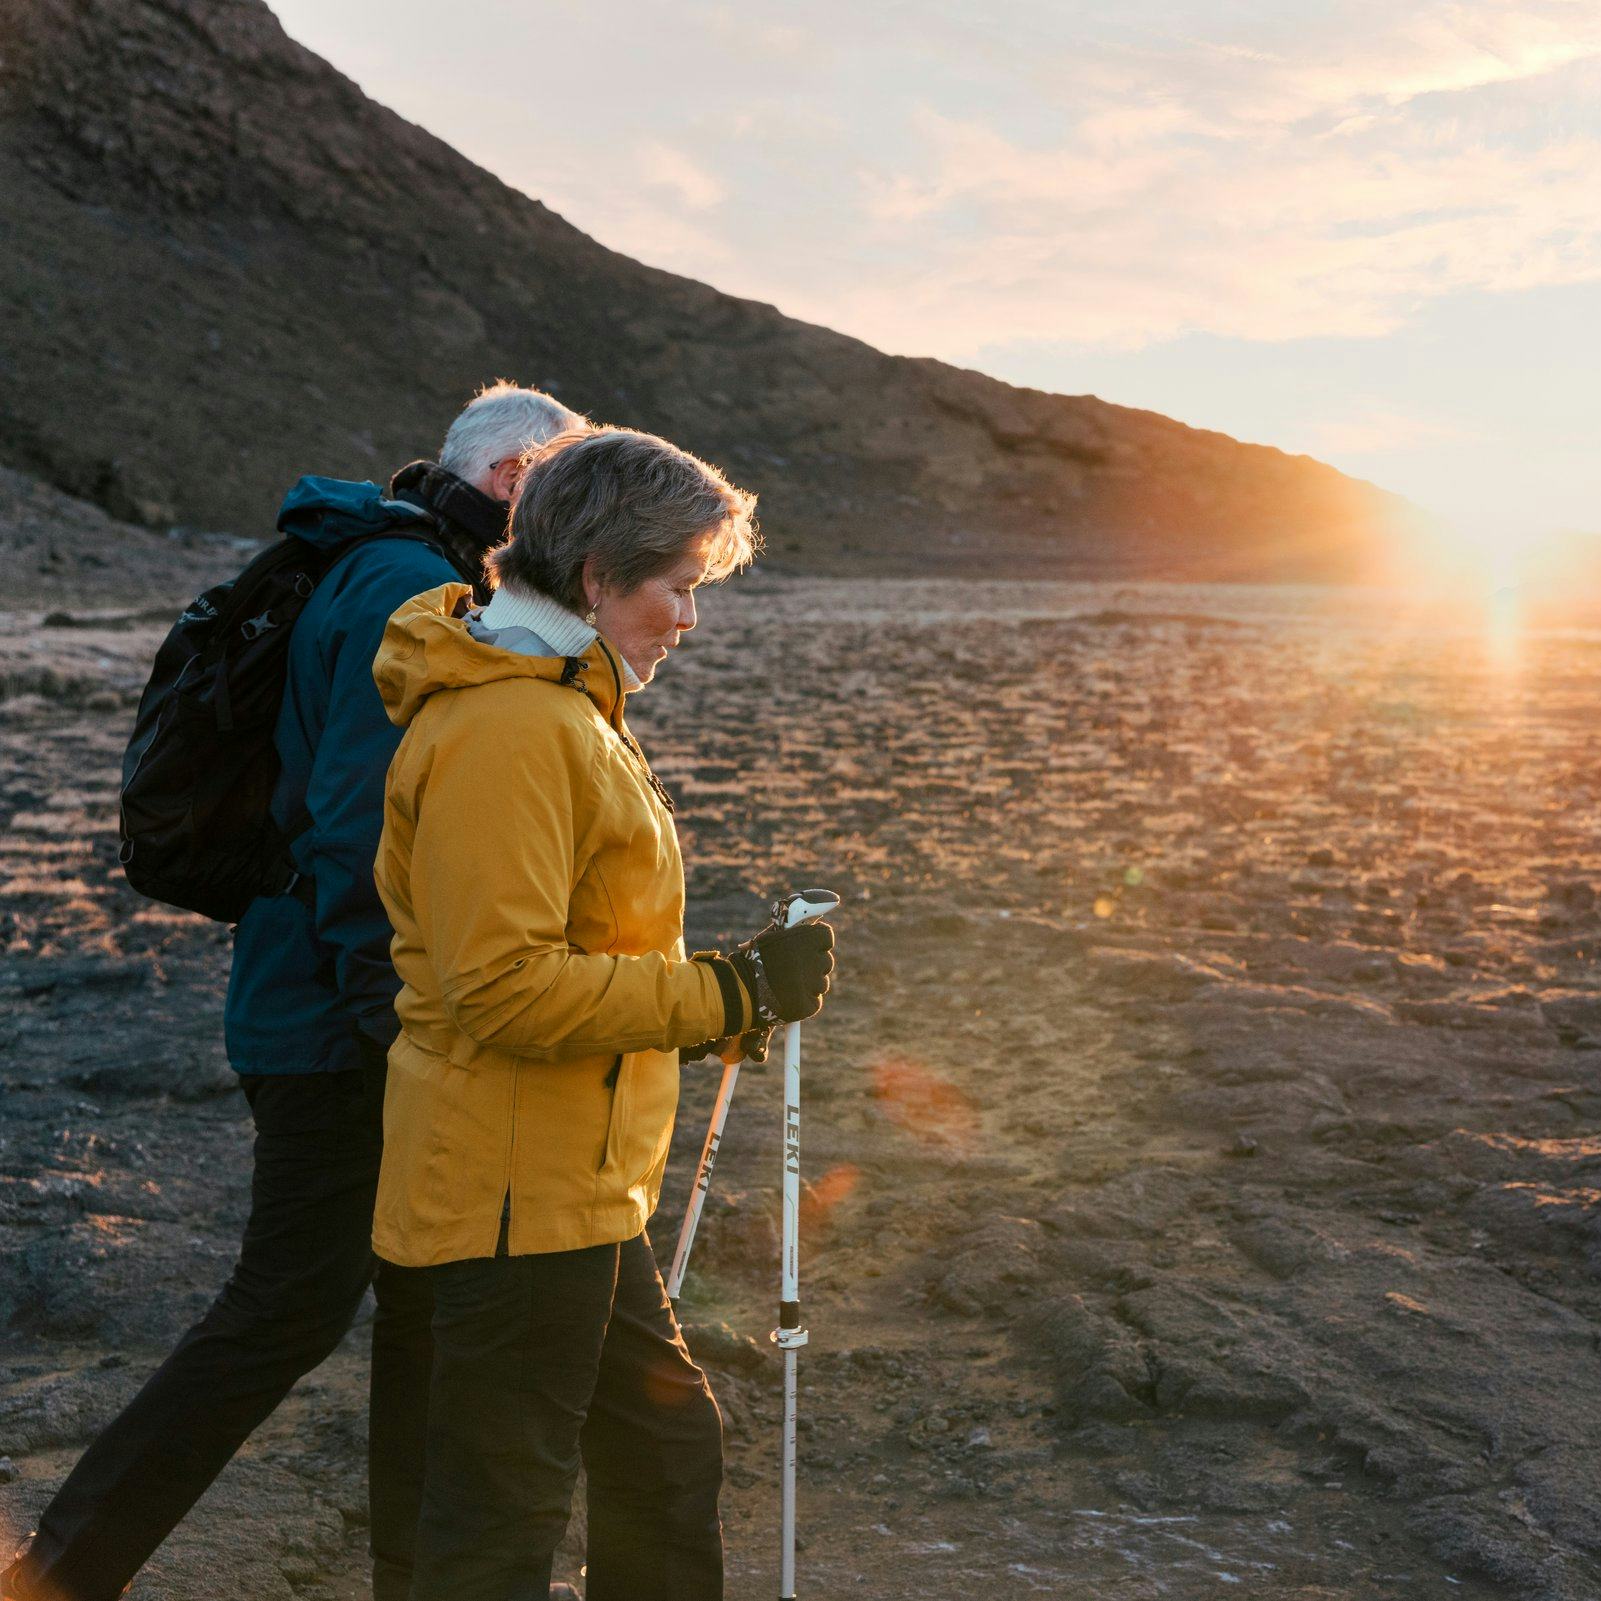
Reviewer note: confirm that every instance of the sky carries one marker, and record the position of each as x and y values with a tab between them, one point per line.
1369	230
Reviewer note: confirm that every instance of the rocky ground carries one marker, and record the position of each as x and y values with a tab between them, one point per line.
1204	1142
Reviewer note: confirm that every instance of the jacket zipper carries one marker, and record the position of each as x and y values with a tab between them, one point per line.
658	789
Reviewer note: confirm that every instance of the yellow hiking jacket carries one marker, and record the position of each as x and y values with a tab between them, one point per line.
532	876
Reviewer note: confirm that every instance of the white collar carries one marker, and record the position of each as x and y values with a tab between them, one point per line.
566	633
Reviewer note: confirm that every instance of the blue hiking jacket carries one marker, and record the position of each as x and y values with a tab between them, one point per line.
303	979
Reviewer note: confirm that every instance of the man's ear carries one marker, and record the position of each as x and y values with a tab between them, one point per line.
503	480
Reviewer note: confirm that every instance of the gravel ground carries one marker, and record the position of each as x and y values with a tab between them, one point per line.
1204	1141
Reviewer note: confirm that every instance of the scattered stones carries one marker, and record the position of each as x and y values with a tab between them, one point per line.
31	979
1574	1017
720	1346
1369	1325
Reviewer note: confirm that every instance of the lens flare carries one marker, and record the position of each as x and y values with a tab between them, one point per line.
820	1200
916	1099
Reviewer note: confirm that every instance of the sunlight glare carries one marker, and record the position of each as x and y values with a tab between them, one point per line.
1504	582
915	1098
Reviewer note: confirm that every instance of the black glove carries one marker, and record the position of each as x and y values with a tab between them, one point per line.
785	971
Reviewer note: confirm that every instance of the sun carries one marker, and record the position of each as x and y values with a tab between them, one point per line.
1501	583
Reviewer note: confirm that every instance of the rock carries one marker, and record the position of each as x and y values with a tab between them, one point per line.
1153	975
738	1235
1282	1245
1574	895
721	1346
993	1268
1101	1367
1466	1015
61	1409
1573	1017
44	977
187	1078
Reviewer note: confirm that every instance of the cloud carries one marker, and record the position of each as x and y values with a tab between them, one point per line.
1440	49
1267	192
666	168
942	179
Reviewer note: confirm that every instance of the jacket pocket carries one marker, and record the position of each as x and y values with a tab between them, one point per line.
614	1115
642	1117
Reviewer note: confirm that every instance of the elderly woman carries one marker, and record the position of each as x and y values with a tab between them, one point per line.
531	870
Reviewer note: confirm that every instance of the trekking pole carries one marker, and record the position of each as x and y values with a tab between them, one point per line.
703	1182
790	1336
725	1096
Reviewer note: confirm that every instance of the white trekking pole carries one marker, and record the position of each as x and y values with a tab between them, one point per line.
790	1336
785	909
703	1181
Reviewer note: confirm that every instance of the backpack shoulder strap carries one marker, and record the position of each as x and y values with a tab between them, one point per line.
423	532
427	530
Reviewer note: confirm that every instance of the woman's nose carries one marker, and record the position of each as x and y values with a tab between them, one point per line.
687	614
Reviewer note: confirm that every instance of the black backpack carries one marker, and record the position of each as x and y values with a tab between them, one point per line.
197	780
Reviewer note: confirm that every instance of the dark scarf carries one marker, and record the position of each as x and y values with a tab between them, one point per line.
470	522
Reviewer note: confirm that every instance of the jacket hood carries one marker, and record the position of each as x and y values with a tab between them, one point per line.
426	648
330	512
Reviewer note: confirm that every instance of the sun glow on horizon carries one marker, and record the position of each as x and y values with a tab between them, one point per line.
1502	584
1553	564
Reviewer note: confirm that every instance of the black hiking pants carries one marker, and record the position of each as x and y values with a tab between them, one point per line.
545	1361
304	1265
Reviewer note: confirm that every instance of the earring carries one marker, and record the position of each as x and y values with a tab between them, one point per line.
589	617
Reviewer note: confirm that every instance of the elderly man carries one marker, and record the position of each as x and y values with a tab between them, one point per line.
308	1022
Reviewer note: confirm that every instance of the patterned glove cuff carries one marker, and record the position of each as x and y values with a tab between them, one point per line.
738	1006
766	1002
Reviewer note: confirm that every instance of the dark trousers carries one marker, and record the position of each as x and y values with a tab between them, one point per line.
543	1361
303	1268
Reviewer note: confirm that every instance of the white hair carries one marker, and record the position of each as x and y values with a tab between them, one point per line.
502	420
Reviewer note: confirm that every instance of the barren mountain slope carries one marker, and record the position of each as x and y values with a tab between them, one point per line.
222	265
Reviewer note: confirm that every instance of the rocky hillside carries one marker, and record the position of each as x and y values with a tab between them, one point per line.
223	265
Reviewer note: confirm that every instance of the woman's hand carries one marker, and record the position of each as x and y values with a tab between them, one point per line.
786	971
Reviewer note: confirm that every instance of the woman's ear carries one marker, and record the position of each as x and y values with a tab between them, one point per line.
590	584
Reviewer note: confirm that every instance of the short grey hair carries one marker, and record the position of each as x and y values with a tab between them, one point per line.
630	500
502	420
